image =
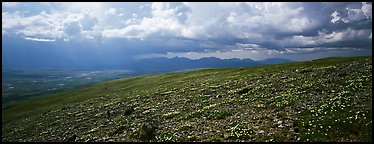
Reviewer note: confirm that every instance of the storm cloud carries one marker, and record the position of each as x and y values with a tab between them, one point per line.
161	29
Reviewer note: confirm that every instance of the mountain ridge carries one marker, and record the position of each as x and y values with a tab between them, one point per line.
162	64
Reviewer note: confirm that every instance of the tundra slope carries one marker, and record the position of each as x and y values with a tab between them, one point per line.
321	100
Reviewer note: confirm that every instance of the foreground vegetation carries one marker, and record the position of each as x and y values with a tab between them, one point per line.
322	100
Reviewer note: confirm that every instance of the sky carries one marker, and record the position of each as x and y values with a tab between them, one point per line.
74	33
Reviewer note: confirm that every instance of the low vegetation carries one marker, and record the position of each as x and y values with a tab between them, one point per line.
321	100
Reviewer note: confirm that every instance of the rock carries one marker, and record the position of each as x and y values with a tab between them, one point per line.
291	130
146	112
284	77
218	96
226	135
279	122
274	118
110	140
261	131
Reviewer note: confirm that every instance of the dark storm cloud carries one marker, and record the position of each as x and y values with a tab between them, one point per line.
114	31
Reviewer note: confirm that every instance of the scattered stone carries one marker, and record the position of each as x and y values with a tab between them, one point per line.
146	112
81	122
279	122
261	131
218	96
226	135
110	140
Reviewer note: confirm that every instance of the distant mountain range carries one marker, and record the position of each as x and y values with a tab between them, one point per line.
140	66
161	64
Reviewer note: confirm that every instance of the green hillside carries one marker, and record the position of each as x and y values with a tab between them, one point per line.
322	100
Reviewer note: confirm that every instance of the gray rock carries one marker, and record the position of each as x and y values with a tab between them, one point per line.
261	131
146	112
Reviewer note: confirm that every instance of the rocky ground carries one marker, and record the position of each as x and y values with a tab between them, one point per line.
322	100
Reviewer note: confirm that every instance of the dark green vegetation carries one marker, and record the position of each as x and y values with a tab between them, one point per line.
322	100
23	84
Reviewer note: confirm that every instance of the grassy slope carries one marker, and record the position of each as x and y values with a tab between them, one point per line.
322	100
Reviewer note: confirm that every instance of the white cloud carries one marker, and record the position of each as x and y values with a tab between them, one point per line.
204	20
111	11
317	50
301	50
354	14
133	31
255	23
367	9
247	45
10	4
335	17
12	20
145	28
257	54
163	21
163	10
330	37
89	37
48	25
244	20
39	39
39	25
